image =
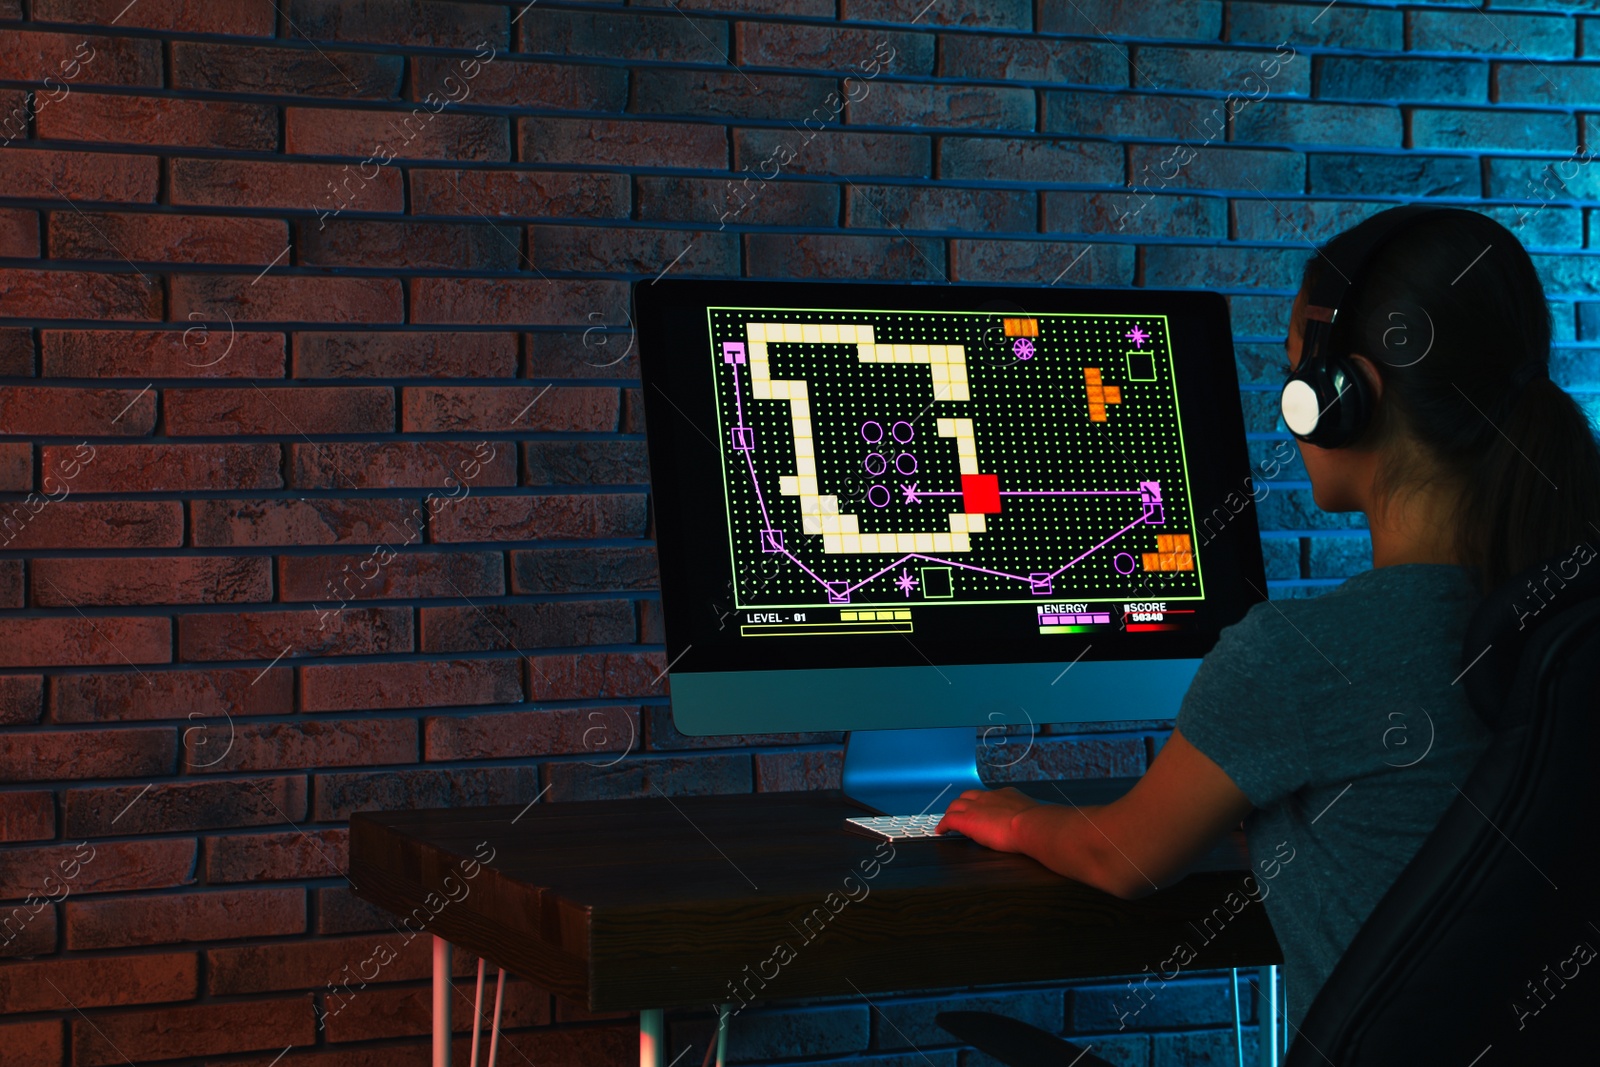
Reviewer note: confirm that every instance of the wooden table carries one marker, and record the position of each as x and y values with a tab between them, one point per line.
641	905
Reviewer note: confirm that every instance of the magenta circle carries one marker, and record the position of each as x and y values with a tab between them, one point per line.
883	464
905	456
872	496
871	440
910	431
1116	561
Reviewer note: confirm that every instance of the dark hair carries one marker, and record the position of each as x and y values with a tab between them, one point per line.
1453	315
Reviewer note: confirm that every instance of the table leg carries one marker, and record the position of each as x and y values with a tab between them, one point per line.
652	1038
441	1002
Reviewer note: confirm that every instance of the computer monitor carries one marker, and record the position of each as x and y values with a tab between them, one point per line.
883	508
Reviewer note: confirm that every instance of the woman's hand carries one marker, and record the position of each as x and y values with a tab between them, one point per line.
986	815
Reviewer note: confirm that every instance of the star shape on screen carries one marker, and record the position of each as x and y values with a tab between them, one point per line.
911	493
1137	336
905	582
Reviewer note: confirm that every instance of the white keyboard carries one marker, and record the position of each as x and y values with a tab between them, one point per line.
901	827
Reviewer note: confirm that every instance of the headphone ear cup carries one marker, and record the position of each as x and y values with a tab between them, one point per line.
1347	405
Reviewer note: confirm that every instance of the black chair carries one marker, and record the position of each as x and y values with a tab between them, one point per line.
1483	951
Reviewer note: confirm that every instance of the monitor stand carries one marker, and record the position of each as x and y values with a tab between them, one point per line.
910	772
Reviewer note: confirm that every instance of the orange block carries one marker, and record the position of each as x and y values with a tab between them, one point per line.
1021	327
1169	561
1096	394
1113	394
1152	562
1091	375
1186	561
1097	413
1164	543
1180	543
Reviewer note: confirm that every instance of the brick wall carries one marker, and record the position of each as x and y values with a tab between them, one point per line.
322	463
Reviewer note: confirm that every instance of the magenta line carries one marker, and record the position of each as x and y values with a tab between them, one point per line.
1102	544
1060	492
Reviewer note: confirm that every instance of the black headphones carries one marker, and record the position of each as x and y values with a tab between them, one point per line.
1326	400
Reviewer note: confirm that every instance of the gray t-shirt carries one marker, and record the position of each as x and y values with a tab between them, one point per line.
1339	719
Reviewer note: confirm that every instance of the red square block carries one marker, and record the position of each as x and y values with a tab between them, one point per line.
981	493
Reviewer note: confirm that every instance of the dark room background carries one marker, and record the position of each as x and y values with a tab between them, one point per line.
322	471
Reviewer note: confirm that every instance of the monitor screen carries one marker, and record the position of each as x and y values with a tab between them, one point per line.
859	477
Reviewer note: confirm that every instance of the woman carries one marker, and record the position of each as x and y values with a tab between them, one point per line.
1333	726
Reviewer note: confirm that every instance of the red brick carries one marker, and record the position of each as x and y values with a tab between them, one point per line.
157	580
243	18
833	152
81	176
26	817
200	916
411	245
788	772
416	134
266	634
584	570
101	524
316	521
166	239
16	351
104	867
593	353
795	45
168	468
30	933
282	298
634	250
47	756
511	734
20	698
444	409
16	467
362	686
1031	161
387	464
412	23
76	60
35	1044
55	294
376	354
939	208
627	36
160	121
66	641
489	627
520	84
194	1030
19	233
198	352
173	807
834	255
514	301
586	675
276	71
373	1013
98	983
312	964
622	142
339	911
28	409
11	591
183	694
984	107
519	193
738	95
697	775
745	202
632	420
262	184
275	857
409	575
279	410
526	518
431	787
311	743
971	14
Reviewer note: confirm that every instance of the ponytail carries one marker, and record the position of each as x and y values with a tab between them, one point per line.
1535	493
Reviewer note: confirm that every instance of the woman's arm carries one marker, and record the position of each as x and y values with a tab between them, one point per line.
1128	848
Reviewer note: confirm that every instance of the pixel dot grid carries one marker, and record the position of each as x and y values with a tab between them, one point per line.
895	458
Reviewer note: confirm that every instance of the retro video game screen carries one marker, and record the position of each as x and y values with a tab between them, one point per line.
953	477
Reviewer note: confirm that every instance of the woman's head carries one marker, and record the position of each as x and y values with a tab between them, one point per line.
1448	324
